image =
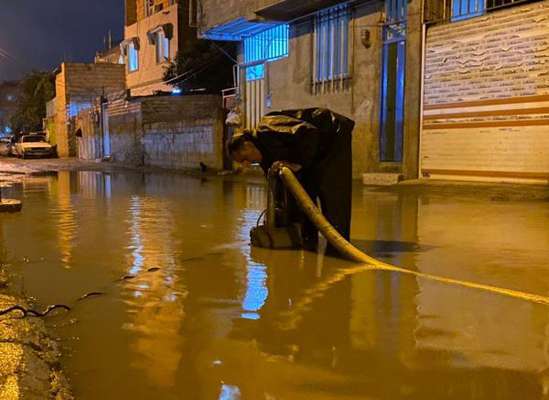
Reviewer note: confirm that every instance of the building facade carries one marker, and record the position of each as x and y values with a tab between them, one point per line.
155	30
486	93
450	89
77	86
351	57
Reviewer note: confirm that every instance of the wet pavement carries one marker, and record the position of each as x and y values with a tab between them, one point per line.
189	311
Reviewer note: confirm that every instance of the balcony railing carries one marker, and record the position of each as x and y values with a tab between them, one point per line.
448	10
495	4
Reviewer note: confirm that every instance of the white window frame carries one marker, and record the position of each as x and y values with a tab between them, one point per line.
331	44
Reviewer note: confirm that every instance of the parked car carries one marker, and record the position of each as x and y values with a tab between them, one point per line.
34	145
5	147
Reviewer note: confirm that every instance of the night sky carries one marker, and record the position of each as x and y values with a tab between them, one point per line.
39	34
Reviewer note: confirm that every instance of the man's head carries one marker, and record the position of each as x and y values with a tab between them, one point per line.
242	149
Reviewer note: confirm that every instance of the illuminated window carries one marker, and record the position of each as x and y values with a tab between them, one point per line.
268	45
332	43
133	57
463	9
162	47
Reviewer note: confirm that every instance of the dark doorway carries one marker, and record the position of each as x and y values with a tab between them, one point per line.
392	111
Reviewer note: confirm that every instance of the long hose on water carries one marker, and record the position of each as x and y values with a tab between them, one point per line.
350	252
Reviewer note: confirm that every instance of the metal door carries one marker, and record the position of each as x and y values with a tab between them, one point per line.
106	134
392	101
254	94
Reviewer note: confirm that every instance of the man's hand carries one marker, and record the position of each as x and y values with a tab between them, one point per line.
278	165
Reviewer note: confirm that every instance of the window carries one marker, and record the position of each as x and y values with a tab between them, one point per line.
133	57
162	47
332	44
463	9
268	45
396	11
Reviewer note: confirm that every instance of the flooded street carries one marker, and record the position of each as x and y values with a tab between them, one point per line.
188	310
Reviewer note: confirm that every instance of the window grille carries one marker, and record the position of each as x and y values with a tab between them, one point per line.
332	44
463	9
268	45
396	10
495	4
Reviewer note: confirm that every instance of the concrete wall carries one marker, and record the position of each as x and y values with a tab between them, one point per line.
148	78
218	12
487	97
289	81
176	132
126	132
77	85
182	132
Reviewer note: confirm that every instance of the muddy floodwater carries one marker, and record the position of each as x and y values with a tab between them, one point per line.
188	310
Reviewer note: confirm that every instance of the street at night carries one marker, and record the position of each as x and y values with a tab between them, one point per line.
274	200
218	315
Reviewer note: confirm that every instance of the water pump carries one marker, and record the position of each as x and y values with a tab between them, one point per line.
278	231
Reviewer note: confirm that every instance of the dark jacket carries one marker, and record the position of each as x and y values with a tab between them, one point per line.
303	137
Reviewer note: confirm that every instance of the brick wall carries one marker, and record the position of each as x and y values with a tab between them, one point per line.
91	80
487	96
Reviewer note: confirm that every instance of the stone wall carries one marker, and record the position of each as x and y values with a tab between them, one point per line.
486	101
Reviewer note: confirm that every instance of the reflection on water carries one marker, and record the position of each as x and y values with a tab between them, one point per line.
63	212
191	312
155	313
